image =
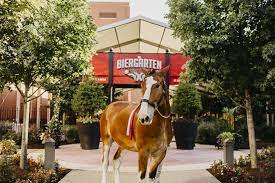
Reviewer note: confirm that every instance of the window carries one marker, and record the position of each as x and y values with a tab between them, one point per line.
107	15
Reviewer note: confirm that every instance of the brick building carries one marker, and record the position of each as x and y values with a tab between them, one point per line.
106	12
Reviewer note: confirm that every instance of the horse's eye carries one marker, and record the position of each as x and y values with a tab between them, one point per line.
157	86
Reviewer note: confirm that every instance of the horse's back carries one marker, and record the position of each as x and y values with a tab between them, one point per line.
114	108
114	121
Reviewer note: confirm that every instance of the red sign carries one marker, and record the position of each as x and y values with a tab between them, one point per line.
127	66
100	67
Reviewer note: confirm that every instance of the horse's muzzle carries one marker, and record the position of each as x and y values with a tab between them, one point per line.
145	121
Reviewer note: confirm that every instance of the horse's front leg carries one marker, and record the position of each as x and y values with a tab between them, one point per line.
142	166
156	166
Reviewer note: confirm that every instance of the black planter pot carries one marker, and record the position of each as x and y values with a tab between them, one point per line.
185	133
89	135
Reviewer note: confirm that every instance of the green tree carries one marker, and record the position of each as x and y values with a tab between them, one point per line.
88	99
43	42
231	44
187	100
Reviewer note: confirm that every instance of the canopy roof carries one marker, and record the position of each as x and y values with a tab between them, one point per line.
137	35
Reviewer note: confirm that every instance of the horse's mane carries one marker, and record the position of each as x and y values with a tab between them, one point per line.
152	72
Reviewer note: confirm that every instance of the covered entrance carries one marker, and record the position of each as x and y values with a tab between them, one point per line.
125	47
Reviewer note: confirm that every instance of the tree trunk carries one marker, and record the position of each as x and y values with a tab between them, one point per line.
250	127
64	118
26	119
267	114
38	112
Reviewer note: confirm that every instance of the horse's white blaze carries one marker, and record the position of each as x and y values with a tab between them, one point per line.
145	108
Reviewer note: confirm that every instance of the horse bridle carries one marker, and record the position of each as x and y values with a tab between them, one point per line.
156	105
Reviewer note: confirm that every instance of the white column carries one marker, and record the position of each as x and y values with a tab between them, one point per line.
49	108
38	115
111	94
130	96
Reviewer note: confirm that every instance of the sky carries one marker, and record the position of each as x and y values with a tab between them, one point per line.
154	9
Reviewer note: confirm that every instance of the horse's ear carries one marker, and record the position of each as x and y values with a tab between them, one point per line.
163	72
146	72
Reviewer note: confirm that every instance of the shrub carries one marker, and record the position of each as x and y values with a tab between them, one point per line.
207	133
88	99
71	134
53	131
268	135
8	147
241	171
224	136
187	100
237	138
238	141
5	126
209	128
12	135
241	127
10	172
34	137
272	149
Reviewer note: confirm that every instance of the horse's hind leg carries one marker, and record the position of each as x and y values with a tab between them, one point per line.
105	159
155	170
106	142
116	164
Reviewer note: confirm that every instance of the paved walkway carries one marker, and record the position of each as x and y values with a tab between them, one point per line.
180	166
186	176
73	157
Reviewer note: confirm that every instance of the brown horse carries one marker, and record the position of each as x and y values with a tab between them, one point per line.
152	131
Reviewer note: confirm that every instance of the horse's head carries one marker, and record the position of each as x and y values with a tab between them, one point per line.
153	91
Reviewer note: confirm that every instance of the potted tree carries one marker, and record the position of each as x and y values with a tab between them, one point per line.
186	105
87	102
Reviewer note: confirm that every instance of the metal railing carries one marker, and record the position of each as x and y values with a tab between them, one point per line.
9	114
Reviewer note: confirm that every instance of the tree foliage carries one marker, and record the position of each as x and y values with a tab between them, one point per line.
44	41
42	44
230	42
89	98
187	100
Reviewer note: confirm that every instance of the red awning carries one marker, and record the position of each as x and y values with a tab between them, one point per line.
127	66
